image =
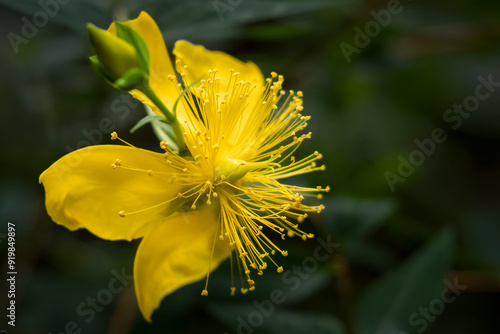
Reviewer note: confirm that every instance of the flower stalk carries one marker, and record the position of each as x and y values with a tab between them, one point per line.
170	117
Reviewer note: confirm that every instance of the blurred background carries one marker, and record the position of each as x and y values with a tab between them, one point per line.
404	100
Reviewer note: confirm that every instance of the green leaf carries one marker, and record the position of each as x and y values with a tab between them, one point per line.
208	21
162	130
266	317
296	289
71	14
351	219
174	109
130	35
480	233
146	120
389	303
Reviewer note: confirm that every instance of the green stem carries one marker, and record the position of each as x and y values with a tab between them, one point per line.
179	135
170	117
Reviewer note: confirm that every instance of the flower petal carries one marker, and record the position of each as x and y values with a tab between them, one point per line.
176	253
199	60
83	191
160	66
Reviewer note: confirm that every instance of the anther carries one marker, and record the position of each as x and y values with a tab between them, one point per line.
114	135
122	214
280	270
204	293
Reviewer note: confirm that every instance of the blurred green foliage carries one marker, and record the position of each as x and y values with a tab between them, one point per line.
395	249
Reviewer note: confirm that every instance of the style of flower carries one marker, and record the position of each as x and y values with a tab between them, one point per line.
219	198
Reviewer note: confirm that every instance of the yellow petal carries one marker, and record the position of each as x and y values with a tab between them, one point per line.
160	66
177	253
82	190
199	60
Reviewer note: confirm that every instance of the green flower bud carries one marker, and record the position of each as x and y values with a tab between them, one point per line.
115	55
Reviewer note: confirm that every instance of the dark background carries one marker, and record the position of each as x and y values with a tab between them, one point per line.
401	242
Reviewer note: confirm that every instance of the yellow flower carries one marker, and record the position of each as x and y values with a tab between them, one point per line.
223	200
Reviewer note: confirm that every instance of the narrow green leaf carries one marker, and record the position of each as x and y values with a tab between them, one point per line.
128	34
390	304
480	233
266	317
353	218
174	110
146	120
162	130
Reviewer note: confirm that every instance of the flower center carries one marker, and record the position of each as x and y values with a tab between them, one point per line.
231	170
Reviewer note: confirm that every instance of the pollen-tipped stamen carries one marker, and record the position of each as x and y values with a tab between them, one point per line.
114	136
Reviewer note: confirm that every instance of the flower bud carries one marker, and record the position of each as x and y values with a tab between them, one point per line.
115	55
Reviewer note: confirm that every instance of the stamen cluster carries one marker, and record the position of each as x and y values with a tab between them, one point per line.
242	138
